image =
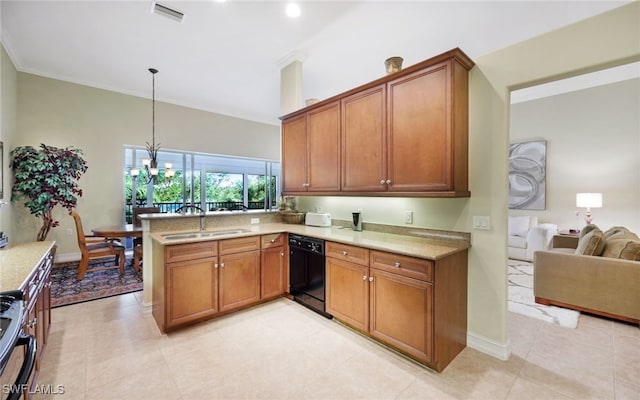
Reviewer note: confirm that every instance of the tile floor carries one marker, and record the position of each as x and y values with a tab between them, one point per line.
112	349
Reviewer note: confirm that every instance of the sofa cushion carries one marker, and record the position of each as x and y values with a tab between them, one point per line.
592	243
621	247
588	228
519	226
620	232
517	241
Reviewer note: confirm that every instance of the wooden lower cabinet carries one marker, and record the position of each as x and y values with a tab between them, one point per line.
239	279
347	292
37	316
192	290
197	281
272	273
401	313
416	306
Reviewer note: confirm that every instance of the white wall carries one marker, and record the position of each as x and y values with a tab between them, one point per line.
8	82
593	145
100	122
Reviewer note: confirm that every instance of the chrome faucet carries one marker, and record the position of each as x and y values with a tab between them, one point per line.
203	225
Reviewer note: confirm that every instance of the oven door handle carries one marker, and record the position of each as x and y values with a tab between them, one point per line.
27	365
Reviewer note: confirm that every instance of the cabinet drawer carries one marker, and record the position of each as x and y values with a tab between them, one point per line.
238	245
353	254
190	251
272	240
411	267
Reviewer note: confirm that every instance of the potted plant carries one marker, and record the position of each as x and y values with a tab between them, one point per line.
47	177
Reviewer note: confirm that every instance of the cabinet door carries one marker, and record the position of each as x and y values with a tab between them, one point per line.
294	154
272	272
192	290
363	153
239	279
323	148
347	296
419	129
401	313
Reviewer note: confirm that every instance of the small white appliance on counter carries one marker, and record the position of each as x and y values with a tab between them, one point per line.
317	219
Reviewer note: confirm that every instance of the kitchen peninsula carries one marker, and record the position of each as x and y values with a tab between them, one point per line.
199	275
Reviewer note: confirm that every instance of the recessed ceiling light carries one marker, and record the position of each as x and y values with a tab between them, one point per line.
293	10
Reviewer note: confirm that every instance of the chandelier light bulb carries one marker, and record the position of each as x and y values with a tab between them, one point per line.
293	10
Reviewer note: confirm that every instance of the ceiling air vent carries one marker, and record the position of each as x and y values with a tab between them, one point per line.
167	12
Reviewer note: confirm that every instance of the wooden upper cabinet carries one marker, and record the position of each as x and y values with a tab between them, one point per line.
364	167
419	136
323	148
294	154
405	134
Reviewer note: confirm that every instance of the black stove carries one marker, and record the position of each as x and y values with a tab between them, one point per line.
11	310
12	337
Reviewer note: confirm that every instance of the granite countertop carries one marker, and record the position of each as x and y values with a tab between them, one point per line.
422	247
17	262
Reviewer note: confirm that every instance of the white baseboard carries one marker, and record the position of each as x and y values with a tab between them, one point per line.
67	257
488	346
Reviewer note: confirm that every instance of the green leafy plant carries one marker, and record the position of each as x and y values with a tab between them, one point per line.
47	177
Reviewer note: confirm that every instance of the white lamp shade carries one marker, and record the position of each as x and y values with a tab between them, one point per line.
589	200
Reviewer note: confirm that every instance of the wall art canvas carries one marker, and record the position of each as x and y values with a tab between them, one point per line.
527	175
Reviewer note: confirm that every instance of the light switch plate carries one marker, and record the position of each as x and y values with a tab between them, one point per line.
481	222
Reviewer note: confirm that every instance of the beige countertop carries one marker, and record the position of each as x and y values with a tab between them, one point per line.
422	247
18	261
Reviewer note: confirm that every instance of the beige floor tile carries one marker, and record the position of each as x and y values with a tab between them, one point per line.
627	390
477	375
524	389
112	364
112	348
523	332
149	382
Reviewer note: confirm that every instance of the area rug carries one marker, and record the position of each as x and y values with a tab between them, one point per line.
66	290
521	299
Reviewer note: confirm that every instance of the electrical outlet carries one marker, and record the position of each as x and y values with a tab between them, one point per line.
255	220
69	232
408	217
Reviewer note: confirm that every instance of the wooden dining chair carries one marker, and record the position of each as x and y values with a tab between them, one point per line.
137	242
97	247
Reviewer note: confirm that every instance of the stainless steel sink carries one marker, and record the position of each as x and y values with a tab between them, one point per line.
197	235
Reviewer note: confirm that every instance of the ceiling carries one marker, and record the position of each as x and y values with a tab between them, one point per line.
225	57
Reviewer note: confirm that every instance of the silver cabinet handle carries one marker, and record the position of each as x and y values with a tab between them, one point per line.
364	277
371	279
222	265
32	323
388	181
281	254
397	265
216	265
382	181
273	240
344	253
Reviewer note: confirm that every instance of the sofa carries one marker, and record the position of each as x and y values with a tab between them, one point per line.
601	275
526	236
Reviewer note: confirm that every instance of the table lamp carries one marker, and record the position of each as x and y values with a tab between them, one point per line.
588	201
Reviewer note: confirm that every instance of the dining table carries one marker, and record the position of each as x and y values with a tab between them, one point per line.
122	230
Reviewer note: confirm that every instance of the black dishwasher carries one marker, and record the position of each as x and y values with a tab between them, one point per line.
307	272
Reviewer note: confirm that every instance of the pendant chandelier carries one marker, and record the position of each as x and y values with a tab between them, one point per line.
151	164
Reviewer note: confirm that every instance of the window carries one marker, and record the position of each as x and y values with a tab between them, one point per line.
212	182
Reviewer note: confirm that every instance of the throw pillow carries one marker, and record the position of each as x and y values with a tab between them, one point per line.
519	226
588	228
622	248
592	243
620	232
